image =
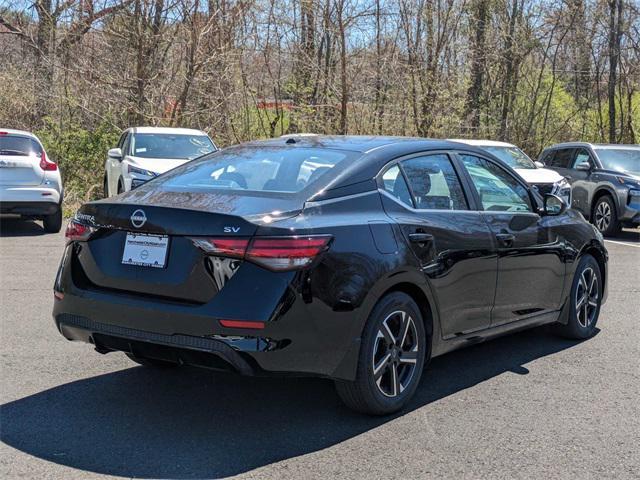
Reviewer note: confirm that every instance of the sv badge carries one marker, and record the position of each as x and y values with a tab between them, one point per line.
231	229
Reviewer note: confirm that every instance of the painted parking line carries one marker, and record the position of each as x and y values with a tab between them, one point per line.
624	243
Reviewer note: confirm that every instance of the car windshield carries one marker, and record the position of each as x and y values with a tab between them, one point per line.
265	169
18	145
620	159
162	145
512	156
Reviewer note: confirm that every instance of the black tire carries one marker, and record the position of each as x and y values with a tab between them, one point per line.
151	362
605	216
105	188
366	394
585	300
53	223
120	187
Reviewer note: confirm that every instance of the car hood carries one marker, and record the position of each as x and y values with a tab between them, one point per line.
157	165
539	175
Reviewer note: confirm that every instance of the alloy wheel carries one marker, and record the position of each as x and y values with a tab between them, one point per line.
587	297
603	216
395	353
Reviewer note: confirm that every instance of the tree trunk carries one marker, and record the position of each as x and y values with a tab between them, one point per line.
474	93
510	61
615	33
344	87
45	40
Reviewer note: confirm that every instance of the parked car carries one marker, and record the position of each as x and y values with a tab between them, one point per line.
145	152
542	179
30	182
351	258
605	180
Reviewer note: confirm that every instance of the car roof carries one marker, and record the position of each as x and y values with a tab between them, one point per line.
11	131
166	130
354	143
593	145
622	146
374	153
482	143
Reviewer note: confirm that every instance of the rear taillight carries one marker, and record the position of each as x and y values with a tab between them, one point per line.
46	164
274	253
224	247
286	253
78	232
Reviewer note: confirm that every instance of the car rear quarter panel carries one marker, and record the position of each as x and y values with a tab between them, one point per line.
341	290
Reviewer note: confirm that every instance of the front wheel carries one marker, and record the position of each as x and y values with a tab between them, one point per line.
585	300
605	217
53	223
391	358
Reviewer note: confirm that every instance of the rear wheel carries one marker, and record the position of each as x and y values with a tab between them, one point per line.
605	217
391	358
151	362
105	188
585	298
53	223
120	187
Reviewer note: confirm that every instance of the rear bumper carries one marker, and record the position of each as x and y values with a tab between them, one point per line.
182	349
31	200
301	338
29	208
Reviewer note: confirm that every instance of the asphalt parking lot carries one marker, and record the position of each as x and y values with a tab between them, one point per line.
527	405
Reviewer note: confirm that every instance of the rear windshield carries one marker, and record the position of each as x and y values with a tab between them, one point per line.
18	145
265	169
162	145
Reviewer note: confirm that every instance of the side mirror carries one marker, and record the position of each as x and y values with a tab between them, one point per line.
539	164
115	153
554	205
584	166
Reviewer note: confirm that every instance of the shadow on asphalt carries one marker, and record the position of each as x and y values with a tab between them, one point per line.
189	423
631	235
16	227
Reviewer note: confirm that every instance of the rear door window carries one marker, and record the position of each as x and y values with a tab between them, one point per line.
562	158
394	183
434	183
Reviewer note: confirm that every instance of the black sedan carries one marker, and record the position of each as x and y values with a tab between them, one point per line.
352	258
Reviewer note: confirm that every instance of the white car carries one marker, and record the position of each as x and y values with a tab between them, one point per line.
145	152
543	179
30	182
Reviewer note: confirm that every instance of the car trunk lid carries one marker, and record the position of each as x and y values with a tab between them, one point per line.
189	273
19	160
20	170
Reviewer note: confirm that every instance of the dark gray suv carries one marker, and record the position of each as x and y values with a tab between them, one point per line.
605	181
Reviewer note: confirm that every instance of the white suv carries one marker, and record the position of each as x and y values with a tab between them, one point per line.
143	153
542	179
30	183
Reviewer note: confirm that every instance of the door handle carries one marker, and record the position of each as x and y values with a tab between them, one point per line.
420	237
506	239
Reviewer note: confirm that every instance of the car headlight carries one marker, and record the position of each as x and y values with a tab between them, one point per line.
562	184
140	171
562	188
